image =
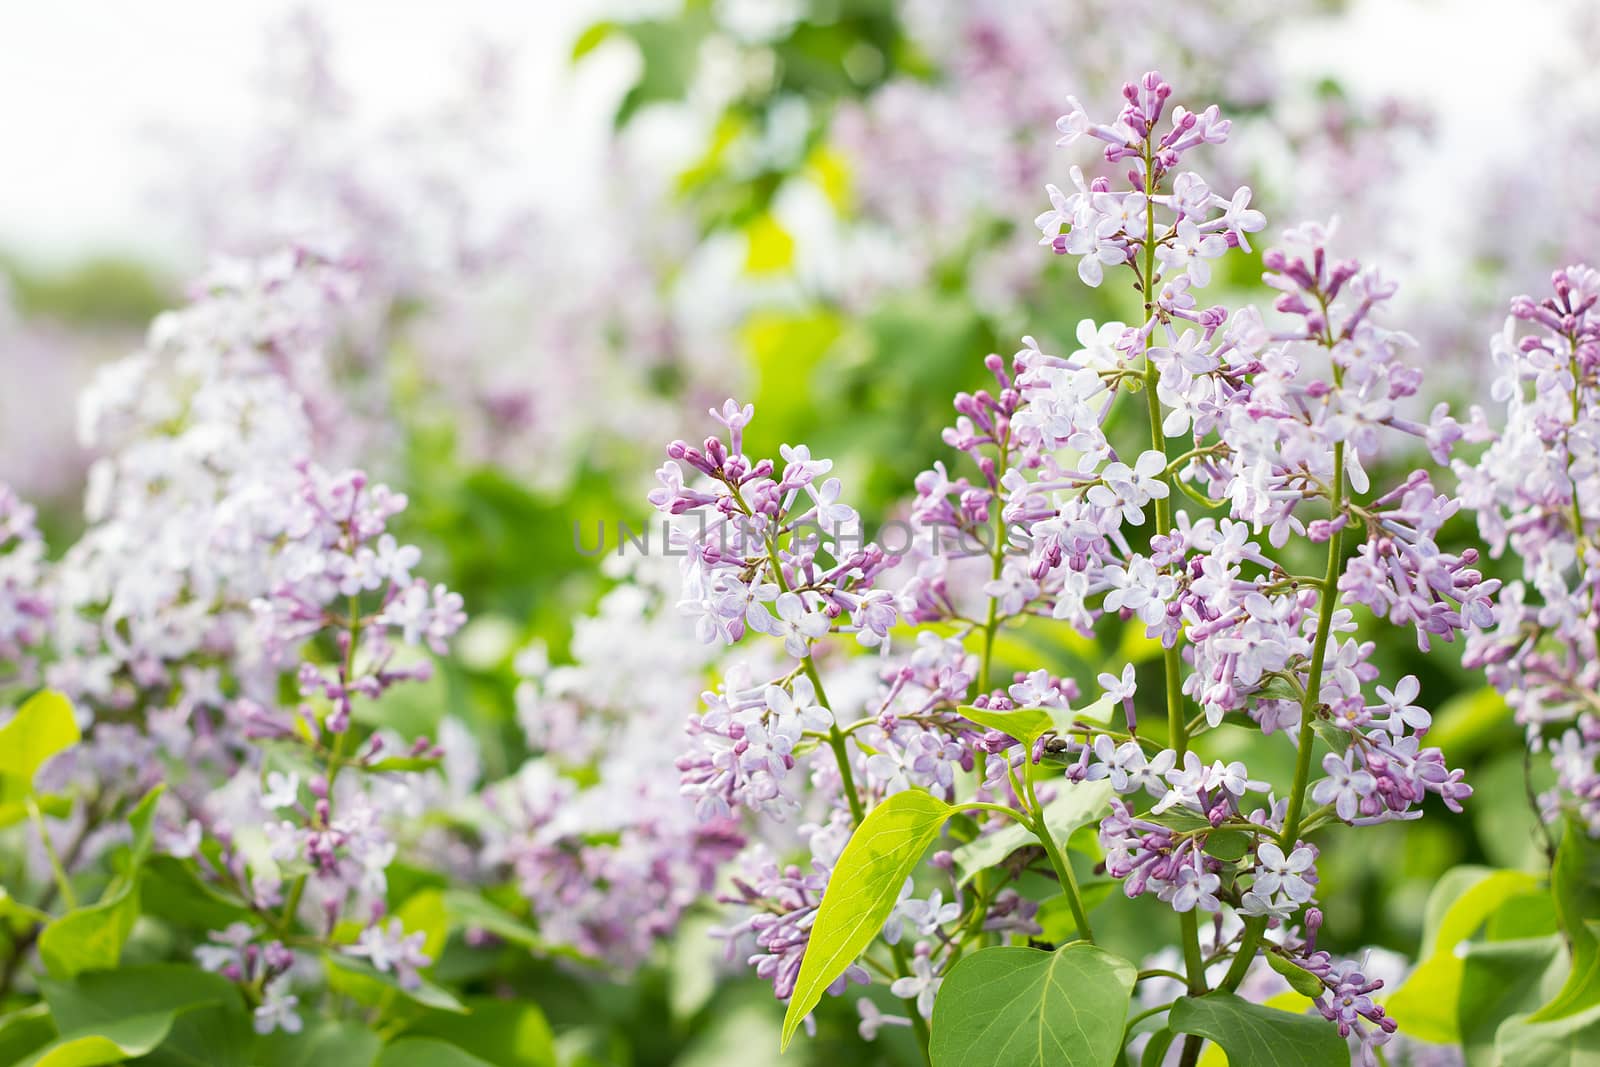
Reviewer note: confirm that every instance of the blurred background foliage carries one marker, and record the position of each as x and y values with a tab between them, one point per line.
870	386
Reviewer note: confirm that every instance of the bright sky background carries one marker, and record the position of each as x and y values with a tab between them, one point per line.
83	81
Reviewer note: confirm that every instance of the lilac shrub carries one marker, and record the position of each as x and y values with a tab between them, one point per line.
1262	426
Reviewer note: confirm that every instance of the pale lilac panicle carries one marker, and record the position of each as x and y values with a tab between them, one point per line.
24	599
594	829
1534	491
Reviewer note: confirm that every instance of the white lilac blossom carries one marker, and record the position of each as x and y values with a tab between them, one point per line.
1536	493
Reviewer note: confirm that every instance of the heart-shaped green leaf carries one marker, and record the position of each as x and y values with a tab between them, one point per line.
1020	1007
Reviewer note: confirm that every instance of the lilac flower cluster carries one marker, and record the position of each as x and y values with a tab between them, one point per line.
24	603
1270	419
1533	490
220	570
337	618
593	829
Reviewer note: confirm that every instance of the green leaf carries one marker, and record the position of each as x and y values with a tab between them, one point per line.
1027	725
591	38
25	1031
1300	980
211	1035
1573	1041
91	938
322	1041
1075	804
862	891
1575	885
1155	1053
1500	979
427	1052
1425	1005
170	890
115	1043
406	764
425	912
1257	1036
468	910
360	981
41	728
110	1016
100	998
1020	1007
500	1031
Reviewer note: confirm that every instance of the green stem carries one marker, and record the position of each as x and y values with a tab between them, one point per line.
1171	663
1069	881
1255	927
997	552
63	883
998	809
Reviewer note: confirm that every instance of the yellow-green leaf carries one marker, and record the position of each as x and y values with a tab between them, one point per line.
1425	1006
862	891
41	728
771	247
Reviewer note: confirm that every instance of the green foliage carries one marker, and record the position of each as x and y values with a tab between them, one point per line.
1573	1041
91	937
102	291
865	884
1074	805
1425	1006
427	1052
1300	980
43	727
1575	885
108	1016
322	1041
1257	1036
499	1031
1020	1007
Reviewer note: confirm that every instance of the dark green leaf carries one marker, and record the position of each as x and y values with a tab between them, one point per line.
427	1052
500	1031
1020	1007
1575	885
1257	1036
323	1041
1500	979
